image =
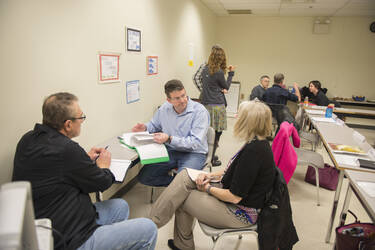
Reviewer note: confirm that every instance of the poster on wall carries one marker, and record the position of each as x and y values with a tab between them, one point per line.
152	65
133	39
108	64
132	91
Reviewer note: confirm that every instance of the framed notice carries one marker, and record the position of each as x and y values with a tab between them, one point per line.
152	65
108	64
132	91
133	39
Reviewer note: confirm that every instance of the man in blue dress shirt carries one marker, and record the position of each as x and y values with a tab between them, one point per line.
182	125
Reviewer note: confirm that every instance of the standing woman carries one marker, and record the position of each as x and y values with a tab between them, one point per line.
214	88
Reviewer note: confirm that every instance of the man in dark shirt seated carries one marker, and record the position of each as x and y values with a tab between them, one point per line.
320	98
277	96
259	90
62	175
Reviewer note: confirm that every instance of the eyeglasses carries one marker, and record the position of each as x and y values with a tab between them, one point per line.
83	117
182	97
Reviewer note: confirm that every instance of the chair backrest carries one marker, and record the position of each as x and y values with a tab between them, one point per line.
210	142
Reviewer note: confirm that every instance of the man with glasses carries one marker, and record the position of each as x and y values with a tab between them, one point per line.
182	125
259	90
62	175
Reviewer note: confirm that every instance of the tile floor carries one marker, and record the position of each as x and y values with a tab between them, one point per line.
310	220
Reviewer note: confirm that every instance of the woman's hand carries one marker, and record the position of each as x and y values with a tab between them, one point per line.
203	187
203	178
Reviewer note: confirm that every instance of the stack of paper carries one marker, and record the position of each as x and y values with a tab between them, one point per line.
149	151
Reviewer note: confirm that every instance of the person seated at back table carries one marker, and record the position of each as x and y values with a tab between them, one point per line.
259	90
277	96
182	125
62	175
234	203
320	98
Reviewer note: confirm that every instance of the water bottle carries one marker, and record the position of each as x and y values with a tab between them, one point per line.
329	111
306	102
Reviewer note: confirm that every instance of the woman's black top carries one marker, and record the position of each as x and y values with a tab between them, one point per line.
251	174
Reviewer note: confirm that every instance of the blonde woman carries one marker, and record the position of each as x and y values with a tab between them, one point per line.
214	85
235	201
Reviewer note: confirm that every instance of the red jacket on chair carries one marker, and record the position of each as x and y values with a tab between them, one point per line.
283	152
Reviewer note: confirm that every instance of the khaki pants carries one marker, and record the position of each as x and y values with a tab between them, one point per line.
183	199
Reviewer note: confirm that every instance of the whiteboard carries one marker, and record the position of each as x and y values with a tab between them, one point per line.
233	98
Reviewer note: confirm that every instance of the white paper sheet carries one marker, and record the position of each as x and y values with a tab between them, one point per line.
322	119
119	168
350	160
132	91
144	137
358	137
368	187
134	139
193	173
153	150
315	111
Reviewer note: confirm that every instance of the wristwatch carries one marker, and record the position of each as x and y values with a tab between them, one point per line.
169	139
208	190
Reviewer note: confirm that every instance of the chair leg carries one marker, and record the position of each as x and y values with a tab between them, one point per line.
214	240
152	195
317	185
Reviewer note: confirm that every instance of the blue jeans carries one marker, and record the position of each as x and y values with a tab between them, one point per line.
157	174
117	232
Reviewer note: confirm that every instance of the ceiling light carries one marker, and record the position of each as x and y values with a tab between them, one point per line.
242	12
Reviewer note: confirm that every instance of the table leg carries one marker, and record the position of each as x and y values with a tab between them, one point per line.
344	211
345	207
334	207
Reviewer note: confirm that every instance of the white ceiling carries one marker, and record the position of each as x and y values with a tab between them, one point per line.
328	8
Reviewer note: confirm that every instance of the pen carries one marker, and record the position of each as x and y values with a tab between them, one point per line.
99	154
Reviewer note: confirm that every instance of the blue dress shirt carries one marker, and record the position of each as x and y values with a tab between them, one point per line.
188	129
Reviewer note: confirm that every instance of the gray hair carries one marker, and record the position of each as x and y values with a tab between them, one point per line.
57	108
278	78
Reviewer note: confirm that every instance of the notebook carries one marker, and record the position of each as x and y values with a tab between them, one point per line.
148	151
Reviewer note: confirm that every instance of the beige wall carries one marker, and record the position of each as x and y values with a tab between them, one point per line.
50	46
343	60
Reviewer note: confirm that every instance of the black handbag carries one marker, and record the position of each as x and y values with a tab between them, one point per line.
355	235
